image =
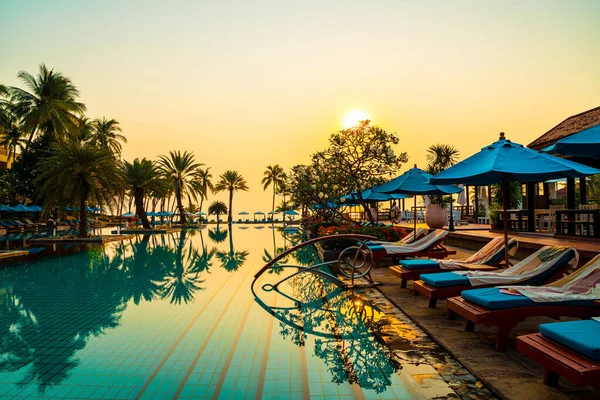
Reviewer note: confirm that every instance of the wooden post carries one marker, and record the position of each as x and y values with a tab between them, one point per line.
530	190
468	200
476	208
489	191
582	191
570	203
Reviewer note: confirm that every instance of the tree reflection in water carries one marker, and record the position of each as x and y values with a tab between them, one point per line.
63	302
342	324
232	260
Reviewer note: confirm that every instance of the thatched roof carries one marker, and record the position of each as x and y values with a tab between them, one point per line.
569	126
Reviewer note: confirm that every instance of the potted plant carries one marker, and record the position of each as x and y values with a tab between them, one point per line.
494	216
435	212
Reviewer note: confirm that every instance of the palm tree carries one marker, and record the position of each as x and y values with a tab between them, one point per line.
181	170
440	157
204	184
50	105
106	134
83	130
232	181
140	176
273	175
11	137
217	208
81	173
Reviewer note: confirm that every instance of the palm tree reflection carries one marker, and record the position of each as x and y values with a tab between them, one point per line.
66	301
232	260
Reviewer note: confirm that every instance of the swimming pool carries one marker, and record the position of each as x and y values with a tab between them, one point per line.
166	316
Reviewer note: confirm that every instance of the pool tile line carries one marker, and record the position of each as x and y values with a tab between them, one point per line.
263	368
180	338
207	341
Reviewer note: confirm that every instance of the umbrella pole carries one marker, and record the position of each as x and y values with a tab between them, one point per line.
504	217
415	215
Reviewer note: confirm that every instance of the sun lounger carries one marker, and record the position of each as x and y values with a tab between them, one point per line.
428	246
530	271
573	295
488	258
569	349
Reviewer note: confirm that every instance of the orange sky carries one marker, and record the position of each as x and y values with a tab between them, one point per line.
245	84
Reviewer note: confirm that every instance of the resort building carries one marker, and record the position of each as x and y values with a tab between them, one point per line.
5	162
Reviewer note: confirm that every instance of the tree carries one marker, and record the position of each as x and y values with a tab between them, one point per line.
106	133
217	208
81	173
357	158
13	139
232	181
140	176
204	184
440	157
273	175
49	106
181	169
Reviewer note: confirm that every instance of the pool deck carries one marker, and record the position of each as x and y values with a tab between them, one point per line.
509	374
90	240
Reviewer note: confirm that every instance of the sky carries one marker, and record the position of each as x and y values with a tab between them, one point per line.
245	84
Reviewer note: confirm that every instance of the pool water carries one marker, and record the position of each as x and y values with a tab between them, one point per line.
174	316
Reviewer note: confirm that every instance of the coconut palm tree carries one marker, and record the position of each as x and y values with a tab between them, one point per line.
106	133
217	208
440	157
140	176
50	104
81	173
82	131
232	181
273	175
204	184
181	169
12	138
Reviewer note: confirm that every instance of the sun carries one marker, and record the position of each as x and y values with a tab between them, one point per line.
352	118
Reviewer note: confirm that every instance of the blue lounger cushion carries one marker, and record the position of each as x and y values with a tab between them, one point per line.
493	299
376	248
582	337
417	264
445	279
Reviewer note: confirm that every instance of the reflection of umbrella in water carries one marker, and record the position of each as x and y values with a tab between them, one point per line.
504	161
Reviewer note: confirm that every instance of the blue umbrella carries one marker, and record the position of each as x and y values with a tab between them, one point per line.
151	214
20	208
291	212
244	213
582	144
505	161
415	181
128	214
36	208
6	208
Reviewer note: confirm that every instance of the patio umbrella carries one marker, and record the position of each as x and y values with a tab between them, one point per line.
273	213
36	208
5	208
20	208
291	212
582	144
415	181
373	195
504	161
244	213
128	214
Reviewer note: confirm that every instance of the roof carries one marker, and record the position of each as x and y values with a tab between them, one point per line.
568	127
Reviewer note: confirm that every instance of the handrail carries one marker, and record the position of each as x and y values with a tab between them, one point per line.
311	241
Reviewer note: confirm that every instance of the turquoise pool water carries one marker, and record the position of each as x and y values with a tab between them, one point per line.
173	316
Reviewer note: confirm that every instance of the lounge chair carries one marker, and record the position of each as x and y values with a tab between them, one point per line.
573	295
409	238
488	258
428	246
569	349
530	271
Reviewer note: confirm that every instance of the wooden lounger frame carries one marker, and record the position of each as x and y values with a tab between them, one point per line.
508	318
436	250
559	361
434	294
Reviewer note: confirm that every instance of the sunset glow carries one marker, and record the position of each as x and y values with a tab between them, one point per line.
353	117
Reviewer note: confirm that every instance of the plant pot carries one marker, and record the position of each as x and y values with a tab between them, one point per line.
494	226
435	216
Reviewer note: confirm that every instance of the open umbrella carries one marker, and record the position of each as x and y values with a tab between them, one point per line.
581	144
504	161
128	214
291	212
244	213
20	208
5	208
415	181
